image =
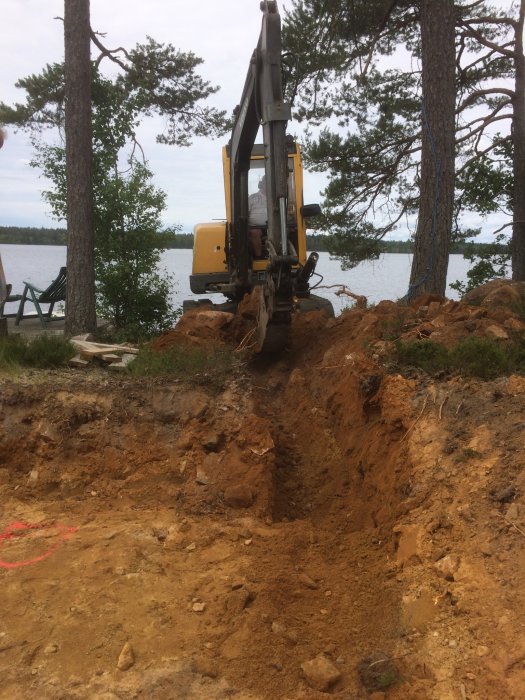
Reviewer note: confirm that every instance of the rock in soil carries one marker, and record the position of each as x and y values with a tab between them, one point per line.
320	673
126	658
238	496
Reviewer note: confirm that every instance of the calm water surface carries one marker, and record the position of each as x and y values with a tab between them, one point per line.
386	278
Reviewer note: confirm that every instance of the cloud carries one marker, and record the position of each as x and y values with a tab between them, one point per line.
223	35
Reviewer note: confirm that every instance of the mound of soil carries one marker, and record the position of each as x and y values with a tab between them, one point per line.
322	526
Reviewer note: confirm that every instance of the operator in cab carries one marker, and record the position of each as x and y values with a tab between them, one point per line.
257	218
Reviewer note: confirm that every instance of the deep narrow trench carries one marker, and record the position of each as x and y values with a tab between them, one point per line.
329	505
290	500
338	456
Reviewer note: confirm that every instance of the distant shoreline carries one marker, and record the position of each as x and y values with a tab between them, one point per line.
18	235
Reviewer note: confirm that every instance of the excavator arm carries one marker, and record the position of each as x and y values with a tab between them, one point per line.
262	103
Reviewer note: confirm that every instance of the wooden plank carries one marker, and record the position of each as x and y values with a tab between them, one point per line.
78	361
91	349
84	336
124	362
110	357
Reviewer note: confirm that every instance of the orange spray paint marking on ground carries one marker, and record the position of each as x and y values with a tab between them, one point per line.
19	529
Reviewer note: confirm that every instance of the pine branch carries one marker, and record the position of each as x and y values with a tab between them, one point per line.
461	169
107	53
487	91
484	59
485	123
475	34
377	36
490	19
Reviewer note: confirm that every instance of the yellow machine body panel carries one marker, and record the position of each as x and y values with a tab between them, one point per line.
208	248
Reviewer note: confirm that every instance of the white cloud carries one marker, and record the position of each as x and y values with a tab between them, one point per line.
224	36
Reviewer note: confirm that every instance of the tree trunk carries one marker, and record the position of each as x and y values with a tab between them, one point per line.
518	138
432	241
80	298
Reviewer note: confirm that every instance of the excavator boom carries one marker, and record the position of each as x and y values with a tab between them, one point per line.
262	104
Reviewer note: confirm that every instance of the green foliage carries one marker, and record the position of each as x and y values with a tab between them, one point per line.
474	356
391	327
32	236
43	352
466	454
490	261
371	146
428	355
210	367
44	106
155	80
163	81
486	182
27	235
482	357
388	679
131	292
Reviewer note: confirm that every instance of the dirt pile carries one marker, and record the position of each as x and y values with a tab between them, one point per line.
322	526
202	327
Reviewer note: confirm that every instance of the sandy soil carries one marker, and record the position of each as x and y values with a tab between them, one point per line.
325	525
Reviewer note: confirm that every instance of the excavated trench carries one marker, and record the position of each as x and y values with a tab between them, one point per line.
318	509
231	538
339	445
152	466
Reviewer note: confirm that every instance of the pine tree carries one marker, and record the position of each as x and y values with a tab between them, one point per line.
80	306
366	127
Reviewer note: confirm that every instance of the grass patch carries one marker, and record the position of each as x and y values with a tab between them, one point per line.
432	357
472	356
42	352
390	328
468	453
212	367
387	680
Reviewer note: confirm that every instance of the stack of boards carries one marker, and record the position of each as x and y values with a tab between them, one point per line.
114	356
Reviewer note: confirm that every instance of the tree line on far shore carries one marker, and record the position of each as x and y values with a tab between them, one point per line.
21	235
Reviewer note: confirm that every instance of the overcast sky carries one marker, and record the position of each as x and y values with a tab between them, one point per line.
224	34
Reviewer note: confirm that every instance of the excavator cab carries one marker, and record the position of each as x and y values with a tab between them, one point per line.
210	271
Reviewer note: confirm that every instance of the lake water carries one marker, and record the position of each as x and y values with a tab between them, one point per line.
385	278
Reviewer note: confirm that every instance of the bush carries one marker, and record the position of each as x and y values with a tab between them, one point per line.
428	355
474	356
43	352
481	357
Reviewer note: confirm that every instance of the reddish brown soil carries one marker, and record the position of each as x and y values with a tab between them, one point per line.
321	505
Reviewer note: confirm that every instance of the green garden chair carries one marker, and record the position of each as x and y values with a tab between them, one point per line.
56	292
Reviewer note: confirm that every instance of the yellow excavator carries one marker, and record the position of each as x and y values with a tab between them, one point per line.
237	256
